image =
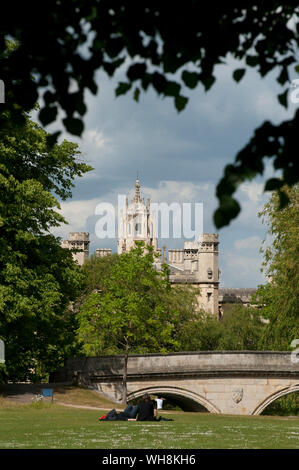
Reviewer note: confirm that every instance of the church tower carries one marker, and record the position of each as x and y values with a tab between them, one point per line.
136	224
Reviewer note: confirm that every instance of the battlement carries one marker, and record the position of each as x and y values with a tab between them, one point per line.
101	252
79	236
209	237
65	244
175	256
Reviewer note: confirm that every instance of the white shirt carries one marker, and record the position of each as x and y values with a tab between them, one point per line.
159	403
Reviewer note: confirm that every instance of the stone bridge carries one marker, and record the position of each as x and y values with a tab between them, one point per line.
229	382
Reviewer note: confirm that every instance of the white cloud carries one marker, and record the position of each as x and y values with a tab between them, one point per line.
253	190
241	266
266	105
248	244
76	214
241	271
97	138
177	191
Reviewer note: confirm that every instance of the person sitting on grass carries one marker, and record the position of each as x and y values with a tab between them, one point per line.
147	410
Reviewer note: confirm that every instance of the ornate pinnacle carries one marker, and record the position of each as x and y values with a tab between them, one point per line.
137	192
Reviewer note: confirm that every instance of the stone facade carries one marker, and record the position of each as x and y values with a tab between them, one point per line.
101	252
195	264
79	242
136	224
237	295
229	382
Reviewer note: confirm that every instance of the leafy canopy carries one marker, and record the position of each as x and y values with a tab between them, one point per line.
38	279
166	48
279	299
130	311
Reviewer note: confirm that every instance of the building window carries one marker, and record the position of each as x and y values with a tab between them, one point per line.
138	229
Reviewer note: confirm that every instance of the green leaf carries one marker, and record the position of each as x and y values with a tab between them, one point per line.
136	94
81	107
252	60
159	82
172	89
238	74
296	68
47	115
180	102
219	219
228	210
122	88
282	98
49	97
73	125
52	138
273	184
283	199
136	71
283	76
208	81
190	78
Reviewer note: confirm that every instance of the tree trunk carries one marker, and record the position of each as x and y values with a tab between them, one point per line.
126	356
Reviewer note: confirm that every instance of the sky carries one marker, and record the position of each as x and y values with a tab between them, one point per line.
180	158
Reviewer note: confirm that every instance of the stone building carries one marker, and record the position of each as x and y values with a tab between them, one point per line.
101	252
79	242
229	296
195	264
136	223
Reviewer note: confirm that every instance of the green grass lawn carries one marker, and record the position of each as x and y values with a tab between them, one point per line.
46	426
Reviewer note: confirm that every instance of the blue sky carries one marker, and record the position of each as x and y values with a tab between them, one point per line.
180	157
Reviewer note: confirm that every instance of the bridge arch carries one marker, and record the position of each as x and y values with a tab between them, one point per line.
186	399
274	396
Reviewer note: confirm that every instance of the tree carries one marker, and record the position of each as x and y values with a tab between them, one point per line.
38	279
132	312
97	270
241	329
164	47
199	333
279	299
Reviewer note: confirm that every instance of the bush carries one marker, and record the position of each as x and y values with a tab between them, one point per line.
284	406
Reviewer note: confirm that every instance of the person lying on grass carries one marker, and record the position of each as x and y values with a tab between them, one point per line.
127	415
146	411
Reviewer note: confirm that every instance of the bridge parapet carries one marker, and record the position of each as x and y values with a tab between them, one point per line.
189	363
230	382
